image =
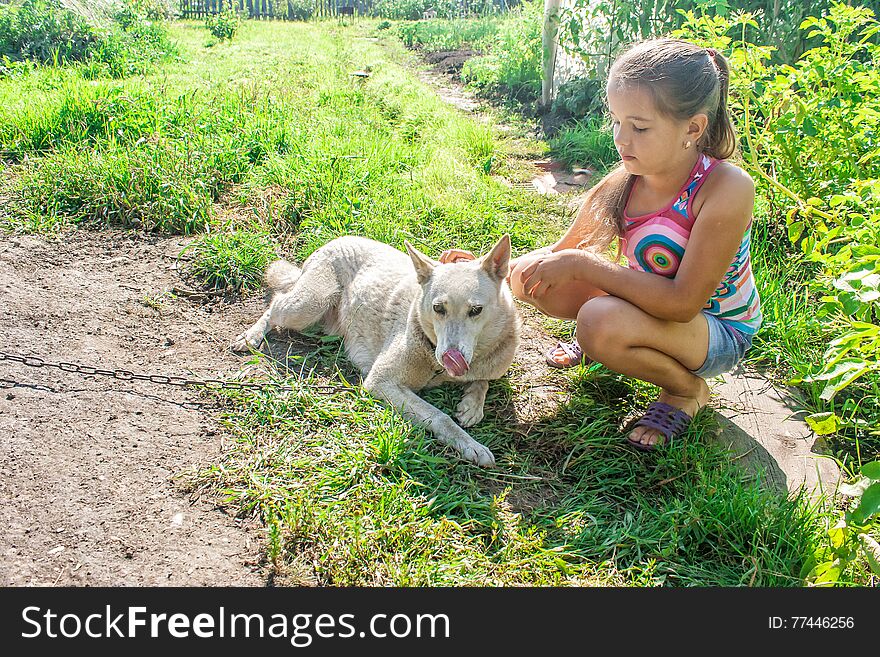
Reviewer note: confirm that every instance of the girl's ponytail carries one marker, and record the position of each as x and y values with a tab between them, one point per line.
720	139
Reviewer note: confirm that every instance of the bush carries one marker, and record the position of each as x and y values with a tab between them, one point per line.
401	9
470	33
157	10
809	137
120	42
300	10
224	24
513	66
598	29
42	30
580	98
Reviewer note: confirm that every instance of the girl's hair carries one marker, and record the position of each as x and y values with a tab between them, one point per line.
683	79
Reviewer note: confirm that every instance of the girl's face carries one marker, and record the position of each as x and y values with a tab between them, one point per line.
649	142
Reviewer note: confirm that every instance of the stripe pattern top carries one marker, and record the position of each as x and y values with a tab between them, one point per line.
655	243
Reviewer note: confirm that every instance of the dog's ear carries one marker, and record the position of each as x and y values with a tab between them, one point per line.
497	261
423	264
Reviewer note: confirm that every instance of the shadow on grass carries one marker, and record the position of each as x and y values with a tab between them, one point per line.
681	516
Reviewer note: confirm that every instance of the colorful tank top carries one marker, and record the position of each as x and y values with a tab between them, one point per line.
655	243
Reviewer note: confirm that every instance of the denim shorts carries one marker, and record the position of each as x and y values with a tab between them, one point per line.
727	346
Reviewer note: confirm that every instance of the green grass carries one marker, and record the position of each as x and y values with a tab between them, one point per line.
587	143
229	260
462	33
270	139
370	500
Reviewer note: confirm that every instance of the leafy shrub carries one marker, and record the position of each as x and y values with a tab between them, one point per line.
300	10
471	33
224	24
580	97
853	536
598	29
384	25
44	31
414	9
809	133
401	9
513	66
157	10
121	42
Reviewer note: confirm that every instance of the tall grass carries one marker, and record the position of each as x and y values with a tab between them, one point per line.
378	157
468	33
512	67
586	143
118	39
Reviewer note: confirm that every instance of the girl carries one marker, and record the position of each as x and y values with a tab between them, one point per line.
685	306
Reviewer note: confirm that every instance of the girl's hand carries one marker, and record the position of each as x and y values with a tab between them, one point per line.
456	255
551	270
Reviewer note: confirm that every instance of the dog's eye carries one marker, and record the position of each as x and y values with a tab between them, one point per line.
439	309
475	310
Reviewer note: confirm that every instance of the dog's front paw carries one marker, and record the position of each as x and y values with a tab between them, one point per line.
469	411
478	454
245	342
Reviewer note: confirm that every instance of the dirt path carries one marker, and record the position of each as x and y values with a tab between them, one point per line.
88	470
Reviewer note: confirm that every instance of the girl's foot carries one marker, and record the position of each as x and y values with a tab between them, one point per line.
648	438
565	354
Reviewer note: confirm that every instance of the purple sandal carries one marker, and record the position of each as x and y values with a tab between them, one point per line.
571	349
671	422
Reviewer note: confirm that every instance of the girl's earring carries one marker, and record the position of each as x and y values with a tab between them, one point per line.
687	144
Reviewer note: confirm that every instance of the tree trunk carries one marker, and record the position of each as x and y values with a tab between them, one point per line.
551	30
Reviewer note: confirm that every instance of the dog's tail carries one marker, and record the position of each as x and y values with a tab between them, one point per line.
282	275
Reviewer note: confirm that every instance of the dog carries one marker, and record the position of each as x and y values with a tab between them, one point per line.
407	323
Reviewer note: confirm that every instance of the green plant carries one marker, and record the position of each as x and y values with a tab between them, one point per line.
400	9
120	42
45	31
597	29
850	538
384	25
300	10
513	65
580	98
471	33
230	261
224	24
586	143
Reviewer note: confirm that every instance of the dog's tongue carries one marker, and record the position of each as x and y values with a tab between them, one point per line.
454	362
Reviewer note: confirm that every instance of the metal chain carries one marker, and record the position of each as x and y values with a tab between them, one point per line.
171	380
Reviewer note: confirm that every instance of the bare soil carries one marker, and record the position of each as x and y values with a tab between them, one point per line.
450	62
89	464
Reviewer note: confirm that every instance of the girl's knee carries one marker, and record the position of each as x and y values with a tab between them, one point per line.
516	283
601	324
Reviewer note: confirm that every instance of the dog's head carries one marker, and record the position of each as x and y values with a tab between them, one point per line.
463	302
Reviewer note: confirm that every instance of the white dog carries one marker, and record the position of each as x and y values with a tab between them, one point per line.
407	323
